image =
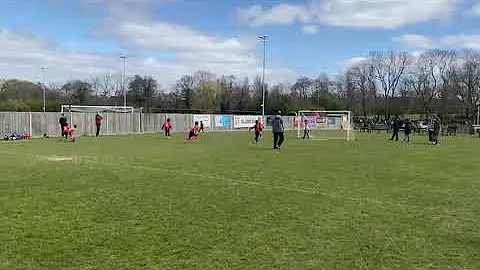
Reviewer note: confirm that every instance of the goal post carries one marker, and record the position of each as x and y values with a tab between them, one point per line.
325	125
111	114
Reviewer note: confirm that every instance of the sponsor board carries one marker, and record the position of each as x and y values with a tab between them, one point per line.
204	118
245	121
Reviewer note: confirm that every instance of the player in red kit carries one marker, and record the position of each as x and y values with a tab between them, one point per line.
167	127
193	134
70	132
258	127
98	123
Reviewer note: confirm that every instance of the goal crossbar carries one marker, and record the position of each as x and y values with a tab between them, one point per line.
84	108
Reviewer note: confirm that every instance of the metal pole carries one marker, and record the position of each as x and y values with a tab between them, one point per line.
264	39
124	58
263	75
44	87
478	114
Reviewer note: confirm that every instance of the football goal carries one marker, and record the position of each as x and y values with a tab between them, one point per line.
116	119
325	125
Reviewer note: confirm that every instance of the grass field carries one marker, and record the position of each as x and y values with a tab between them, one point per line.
144	202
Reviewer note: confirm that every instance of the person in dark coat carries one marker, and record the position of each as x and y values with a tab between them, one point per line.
396	123
278	132
436	130
407	130
63	123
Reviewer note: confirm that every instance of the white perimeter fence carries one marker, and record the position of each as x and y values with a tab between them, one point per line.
39	123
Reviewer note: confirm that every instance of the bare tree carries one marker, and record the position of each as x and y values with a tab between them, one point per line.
389	68
95	83
107	85
467	81
363	79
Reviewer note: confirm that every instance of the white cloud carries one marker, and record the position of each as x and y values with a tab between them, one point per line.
147	39
473	10
354	61
25	54
445	42
351	13
310	29
415	41
281	14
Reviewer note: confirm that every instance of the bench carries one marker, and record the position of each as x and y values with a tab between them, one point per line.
476	128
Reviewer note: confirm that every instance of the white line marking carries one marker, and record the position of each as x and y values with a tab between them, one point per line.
259	184
386	204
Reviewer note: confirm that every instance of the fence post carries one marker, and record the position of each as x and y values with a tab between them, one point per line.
30	134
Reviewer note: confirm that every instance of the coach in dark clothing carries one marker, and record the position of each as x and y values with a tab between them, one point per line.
396	127
408	130
436	130
63	123
278	130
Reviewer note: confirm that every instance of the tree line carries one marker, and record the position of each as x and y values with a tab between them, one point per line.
381	85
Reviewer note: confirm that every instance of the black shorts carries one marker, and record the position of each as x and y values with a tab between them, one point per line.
191	134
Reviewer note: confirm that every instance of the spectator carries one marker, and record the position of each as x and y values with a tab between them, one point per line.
407	130
396	127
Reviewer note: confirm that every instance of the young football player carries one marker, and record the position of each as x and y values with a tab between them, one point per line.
193	134
258	127
167	127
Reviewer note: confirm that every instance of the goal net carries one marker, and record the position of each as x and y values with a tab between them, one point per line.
325	125
116	119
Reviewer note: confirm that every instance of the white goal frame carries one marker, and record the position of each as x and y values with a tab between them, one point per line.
349	130
71	109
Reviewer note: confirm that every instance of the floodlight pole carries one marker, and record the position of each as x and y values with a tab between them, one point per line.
478	114
124	58
264	39
44	70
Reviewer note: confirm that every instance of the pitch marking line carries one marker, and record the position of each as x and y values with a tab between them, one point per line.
94	160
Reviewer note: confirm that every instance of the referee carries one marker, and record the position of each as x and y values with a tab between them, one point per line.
278	130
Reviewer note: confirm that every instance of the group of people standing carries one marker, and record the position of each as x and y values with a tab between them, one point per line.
68	130
407	125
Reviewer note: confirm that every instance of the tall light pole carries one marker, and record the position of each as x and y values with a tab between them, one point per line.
44	70
264	39
124	58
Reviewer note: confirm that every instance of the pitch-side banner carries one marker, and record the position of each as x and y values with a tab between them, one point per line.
205	118
245	121
222	121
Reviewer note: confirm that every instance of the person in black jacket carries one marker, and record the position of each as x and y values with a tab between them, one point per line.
396	127
278	130
408	130
63	123
436	130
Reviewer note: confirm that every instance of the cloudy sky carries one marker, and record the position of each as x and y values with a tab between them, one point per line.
170	38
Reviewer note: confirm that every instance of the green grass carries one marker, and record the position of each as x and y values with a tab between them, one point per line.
144	202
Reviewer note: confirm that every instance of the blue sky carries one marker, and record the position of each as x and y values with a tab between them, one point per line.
170	38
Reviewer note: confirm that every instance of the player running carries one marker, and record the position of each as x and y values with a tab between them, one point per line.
258	127
193	134
167	127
